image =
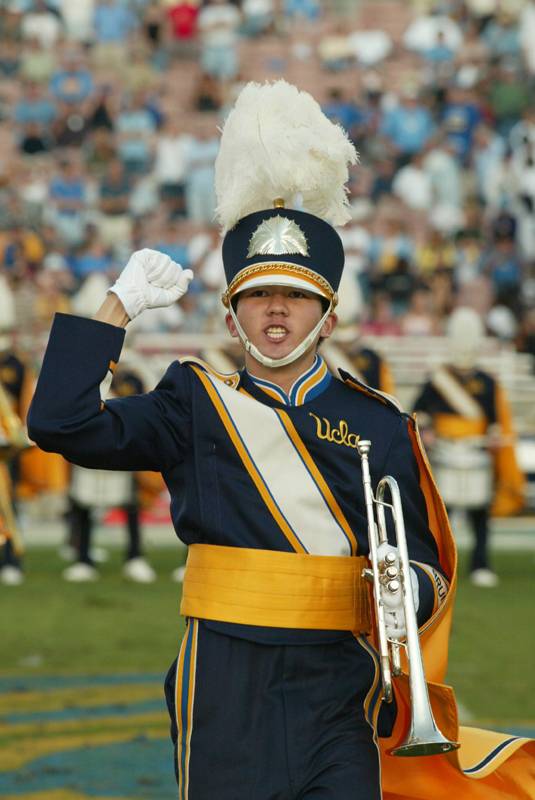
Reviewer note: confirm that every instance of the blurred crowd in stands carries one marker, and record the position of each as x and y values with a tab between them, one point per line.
109	116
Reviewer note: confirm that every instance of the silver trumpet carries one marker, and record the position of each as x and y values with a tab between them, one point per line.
424	737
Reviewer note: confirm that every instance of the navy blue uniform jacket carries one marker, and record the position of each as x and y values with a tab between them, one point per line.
177	431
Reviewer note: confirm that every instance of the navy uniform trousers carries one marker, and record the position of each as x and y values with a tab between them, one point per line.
295	727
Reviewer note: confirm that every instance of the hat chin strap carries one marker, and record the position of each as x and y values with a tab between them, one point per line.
298	351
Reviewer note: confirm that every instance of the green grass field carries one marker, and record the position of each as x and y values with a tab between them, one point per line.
49	627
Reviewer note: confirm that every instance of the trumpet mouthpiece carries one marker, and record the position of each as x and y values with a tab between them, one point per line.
364	446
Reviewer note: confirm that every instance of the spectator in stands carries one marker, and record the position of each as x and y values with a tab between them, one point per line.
385	169
172	244
425	30
502	36
440	51
200	159
10	60
413	185
207	95
115	223
381	320
473	50
342	110
101	112
219	22
70	127
90	256
469	253
408	126
113	24
522	135
488	155
525	341
135	127
68	202
51	299
390	244
436	253
370	47
460	117
43	23
22	251
527	35
445	173
335	51
72	83
99	151
301	10
419	319
170	163
182	18
508	97
258	17
503	264
37	64
34	140
34	108
141	75
152	25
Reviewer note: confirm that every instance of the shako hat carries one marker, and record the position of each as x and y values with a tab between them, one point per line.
280	182
283	247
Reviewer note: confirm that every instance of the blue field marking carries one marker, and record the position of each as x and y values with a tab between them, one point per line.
30	683
140	769
86	712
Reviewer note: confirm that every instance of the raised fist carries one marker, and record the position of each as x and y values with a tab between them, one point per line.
150	280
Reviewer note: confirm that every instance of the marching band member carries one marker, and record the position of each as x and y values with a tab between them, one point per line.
275	691
15	394
92	490
466	422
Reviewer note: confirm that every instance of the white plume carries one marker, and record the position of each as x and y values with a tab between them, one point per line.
277	142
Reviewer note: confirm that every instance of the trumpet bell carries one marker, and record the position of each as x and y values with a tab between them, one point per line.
418	746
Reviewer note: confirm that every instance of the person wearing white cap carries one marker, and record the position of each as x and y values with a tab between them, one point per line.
468	427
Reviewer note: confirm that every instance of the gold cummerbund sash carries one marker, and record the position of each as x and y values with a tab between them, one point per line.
451	426
275	590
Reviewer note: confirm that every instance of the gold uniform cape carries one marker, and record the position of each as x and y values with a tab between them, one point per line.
488	765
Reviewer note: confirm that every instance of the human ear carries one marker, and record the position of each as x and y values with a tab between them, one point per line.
328	326
231	326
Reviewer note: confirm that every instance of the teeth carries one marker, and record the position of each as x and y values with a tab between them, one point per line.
276	333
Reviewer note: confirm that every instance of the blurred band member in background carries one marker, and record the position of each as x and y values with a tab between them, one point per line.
467	426
93	491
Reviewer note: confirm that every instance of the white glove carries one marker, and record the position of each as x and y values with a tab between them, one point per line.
393	601
150	280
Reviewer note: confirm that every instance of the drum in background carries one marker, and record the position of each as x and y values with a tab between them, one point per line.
464	473
102	489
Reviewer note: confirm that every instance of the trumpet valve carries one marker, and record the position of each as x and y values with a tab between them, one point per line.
390	558
393	586
391	573
367	574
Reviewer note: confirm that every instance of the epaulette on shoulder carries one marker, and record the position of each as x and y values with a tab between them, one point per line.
231	379
386	399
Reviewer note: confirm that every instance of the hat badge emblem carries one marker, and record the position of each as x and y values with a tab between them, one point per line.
278	236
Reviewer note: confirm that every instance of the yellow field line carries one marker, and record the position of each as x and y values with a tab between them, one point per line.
36	740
